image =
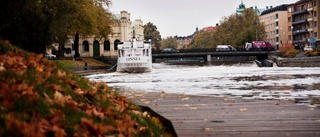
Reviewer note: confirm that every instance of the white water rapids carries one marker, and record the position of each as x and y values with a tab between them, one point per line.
246	80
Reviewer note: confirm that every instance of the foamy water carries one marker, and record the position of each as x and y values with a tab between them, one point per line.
236	80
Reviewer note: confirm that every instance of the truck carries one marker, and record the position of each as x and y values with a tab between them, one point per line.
259	45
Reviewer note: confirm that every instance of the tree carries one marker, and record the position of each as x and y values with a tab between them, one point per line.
34	25
86	19
234	30
169	42
202	39
151	32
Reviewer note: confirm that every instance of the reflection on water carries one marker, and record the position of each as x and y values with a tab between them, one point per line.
240	79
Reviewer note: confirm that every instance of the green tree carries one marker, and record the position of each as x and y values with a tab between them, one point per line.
151	32
233	30
169	42
202	39
34	25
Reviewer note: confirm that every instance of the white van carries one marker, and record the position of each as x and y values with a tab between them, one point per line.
225	48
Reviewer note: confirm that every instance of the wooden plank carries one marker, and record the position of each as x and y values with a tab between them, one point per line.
211	116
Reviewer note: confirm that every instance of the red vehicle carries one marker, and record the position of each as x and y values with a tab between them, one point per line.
259	45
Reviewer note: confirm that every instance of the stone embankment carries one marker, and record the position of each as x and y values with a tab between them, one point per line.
297	62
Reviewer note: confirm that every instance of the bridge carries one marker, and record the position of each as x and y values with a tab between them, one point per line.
207	54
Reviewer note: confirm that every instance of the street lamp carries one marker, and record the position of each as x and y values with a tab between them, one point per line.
256	23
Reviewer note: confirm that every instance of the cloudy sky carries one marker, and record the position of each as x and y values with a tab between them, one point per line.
181	17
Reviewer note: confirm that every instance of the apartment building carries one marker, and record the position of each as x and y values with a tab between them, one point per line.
303	23
275	21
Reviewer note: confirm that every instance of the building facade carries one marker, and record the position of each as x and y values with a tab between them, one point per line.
242	7
275	22
303	22
185	40
122	30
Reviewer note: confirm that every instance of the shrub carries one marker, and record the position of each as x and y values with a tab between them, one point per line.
290	53
311	53
38	98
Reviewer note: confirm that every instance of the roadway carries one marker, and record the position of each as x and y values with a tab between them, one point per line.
210	53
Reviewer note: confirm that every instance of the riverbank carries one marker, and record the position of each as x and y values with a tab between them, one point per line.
297	62
39	98
229	116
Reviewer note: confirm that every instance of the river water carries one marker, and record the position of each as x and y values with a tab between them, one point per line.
245	80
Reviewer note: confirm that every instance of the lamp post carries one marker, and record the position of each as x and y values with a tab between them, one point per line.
256	23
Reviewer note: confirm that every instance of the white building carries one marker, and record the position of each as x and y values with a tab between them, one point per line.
96	47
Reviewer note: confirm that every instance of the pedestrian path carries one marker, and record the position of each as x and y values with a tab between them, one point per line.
200	116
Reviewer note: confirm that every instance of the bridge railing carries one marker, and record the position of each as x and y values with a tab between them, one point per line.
197	50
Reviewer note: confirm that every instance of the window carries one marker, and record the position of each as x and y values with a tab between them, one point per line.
277	39
116	42
289	37
315	34
277	31
315	24
315	3
85	45
289	28
276	16
289	19
289	9
315	14
106	45
277	24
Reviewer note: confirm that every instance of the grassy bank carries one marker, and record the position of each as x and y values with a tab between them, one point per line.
80	63
39	98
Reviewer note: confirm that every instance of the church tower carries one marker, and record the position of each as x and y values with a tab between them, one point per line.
241	8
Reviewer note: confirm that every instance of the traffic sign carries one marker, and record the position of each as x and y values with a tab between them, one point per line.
313	41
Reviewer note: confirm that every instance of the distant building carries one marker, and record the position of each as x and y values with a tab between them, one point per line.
185	40
275	22
210	28
303	19
291	25
242	7
122	28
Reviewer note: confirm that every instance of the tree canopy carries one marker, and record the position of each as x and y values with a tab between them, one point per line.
34	25
151	32
169	42
234	30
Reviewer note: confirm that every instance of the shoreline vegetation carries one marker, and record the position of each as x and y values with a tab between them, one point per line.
40	98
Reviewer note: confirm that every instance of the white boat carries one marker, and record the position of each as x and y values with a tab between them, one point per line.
134	56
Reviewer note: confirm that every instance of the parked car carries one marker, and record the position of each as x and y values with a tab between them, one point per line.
307	48
169	50
225	48
50	56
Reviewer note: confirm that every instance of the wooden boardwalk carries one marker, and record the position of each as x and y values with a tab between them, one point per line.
205	116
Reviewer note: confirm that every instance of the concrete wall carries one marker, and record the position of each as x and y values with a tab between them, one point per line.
298	62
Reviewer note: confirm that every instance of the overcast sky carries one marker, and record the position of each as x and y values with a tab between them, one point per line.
181	17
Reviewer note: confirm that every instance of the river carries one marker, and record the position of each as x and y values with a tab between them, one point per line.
245	80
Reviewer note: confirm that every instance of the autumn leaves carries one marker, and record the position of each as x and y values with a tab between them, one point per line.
37	98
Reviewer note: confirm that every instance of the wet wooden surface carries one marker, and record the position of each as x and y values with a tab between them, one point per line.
201	116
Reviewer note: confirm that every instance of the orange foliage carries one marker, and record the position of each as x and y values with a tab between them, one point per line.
39	99
286	46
